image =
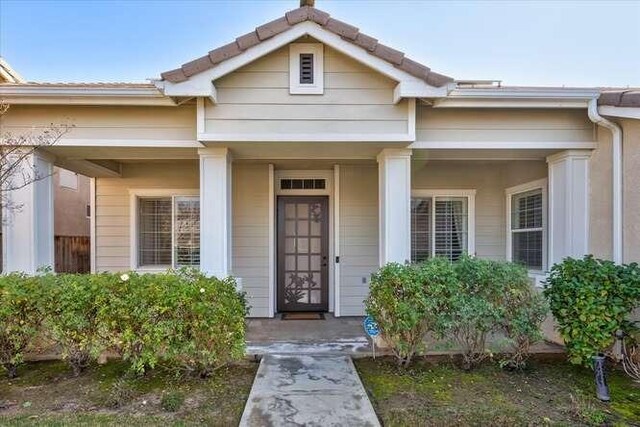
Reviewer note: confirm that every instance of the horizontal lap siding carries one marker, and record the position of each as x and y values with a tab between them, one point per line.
256	99
490	125
107	122
358	235
251	234
113	205
490	181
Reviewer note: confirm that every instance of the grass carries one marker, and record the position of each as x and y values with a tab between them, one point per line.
46	393
548	393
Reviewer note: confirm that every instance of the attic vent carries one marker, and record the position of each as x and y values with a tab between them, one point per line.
306	68
302	184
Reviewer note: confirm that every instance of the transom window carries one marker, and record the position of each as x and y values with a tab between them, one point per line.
441	225
527	225
168	231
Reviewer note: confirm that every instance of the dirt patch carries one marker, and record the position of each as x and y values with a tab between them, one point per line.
46	393
550	392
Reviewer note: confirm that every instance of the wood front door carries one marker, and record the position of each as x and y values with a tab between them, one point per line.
303	253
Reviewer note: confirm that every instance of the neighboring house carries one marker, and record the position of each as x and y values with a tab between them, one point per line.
303	155
71	197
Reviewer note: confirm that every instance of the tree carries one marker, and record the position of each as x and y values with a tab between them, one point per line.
16	168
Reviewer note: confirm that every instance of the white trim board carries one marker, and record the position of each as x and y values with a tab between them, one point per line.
511	145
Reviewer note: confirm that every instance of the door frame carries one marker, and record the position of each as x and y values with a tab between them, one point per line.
324	282
275	175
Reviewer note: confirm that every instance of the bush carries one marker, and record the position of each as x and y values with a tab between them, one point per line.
408	301
73	315
591	299
21	308
185	320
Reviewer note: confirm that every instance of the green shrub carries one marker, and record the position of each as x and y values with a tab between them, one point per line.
478	307
408	301
591	299
184	320
21	308
120	393
73	315
523	311
172	401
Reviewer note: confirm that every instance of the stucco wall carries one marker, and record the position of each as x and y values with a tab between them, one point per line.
631	167
70	207
600	197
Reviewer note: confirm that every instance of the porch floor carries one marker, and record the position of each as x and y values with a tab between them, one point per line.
342	335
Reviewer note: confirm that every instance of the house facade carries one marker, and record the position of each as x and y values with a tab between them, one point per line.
305	154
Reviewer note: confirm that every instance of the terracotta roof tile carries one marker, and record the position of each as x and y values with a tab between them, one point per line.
272	28
296	16
620	98
342	29
224	52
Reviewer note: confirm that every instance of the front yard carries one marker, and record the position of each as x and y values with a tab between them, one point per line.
441	394
46	393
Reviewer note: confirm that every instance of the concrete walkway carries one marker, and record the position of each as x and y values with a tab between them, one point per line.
307	390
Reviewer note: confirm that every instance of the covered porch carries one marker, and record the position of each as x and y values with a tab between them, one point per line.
303	226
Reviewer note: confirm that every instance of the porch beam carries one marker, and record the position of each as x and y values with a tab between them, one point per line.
215	211
568	204
394	201
27	215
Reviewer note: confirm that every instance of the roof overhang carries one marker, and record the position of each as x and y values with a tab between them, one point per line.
621	112
202	84
79	94
517	97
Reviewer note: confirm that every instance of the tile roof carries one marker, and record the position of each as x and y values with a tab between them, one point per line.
620	98
296	16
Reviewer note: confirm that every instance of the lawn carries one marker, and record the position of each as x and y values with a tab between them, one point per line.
46	393
548	393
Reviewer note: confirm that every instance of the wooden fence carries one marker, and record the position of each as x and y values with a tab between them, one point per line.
72	254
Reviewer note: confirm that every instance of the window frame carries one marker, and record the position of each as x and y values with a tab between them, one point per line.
315	88
470	195
539	184
134	196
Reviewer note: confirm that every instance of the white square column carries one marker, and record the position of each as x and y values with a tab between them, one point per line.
394	202
215	211
27	229
568	204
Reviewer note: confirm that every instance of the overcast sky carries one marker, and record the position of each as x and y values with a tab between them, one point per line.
577	43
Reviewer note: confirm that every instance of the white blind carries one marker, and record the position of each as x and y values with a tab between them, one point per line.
439	227
527	229
154	228
187	231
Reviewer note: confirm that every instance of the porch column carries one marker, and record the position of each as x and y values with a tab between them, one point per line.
568	204
394	201
27	213
215	211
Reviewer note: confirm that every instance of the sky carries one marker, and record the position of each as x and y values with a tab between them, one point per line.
537	43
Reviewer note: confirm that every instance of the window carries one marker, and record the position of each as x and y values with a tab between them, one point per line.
302	184
168	231
441	224
306	62
527	225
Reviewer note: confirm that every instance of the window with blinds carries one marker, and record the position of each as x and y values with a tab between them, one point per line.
168	231
439	227
527	226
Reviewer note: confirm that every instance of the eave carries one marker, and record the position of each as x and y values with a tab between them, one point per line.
89	94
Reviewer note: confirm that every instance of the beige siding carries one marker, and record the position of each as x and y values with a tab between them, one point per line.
251	234
358	235
113	205
256	99
490	181
106	122
462	124
631	167
600	197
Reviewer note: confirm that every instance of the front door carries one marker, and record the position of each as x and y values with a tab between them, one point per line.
303	252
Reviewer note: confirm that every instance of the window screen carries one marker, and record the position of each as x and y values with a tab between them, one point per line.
306	68
168	232
527	229
154	244
187	231
439	227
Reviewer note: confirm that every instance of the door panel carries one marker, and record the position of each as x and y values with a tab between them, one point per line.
303	251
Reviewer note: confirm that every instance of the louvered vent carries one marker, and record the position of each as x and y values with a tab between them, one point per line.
306	68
